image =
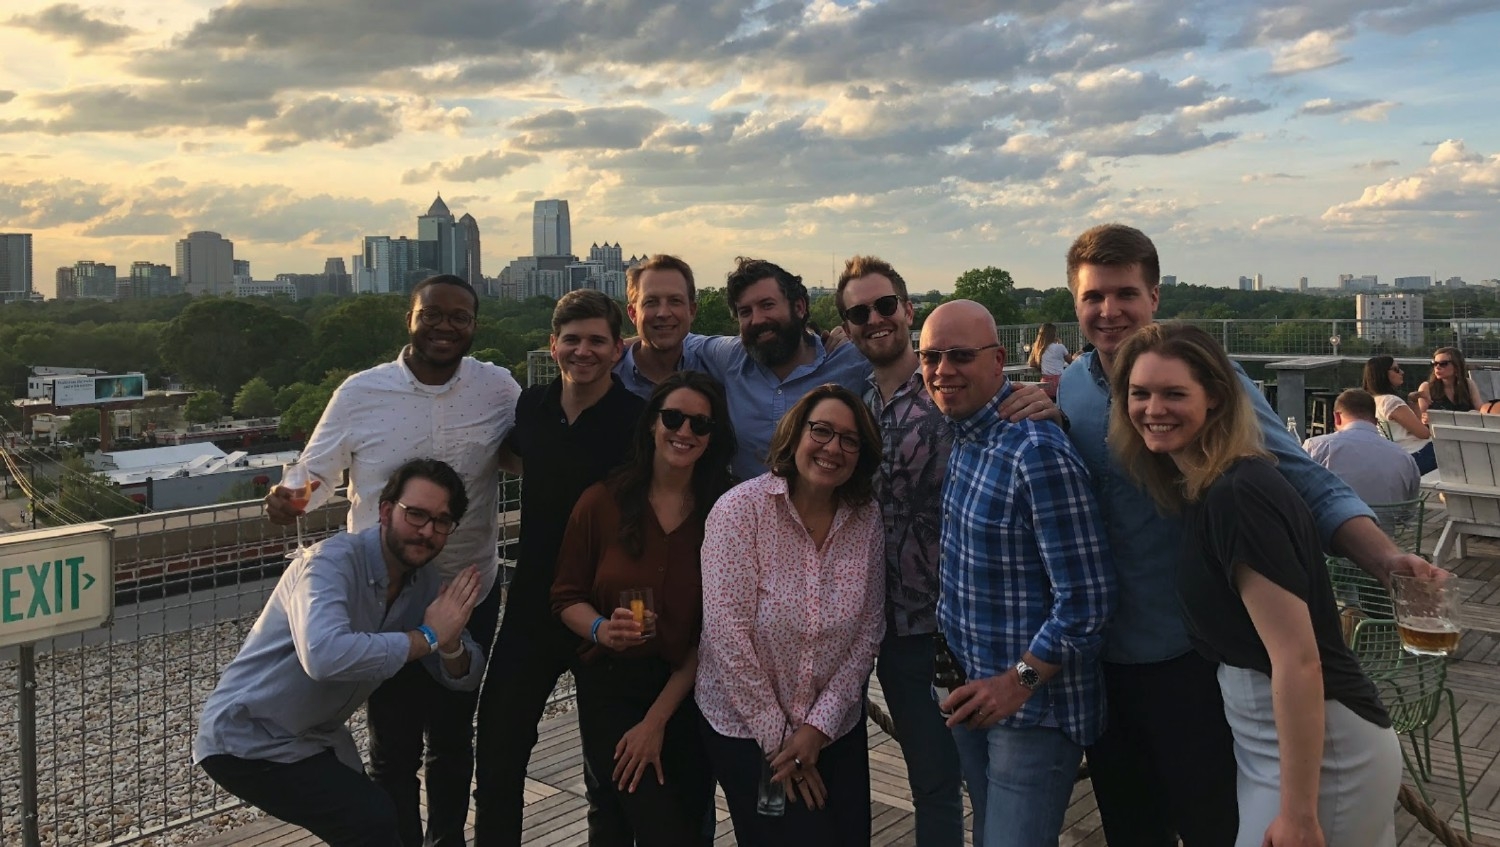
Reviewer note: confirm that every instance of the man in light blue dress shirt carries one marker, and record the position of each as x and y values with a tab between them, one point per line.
344	618
661	300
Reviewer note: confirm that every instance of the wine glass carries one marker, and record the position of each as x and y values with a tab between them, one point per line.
296	481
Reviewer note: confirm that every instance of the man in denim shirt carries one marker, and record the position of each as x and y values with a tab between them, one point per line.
1165	767
344	618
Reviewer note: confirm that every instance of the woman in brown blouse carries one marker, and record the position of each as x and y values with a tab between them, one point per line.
642	528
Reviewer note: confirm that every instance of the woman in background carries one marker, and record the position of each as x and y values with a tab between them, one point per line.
1450	389
1384	378
793	614
1318	762
642	528
1049	356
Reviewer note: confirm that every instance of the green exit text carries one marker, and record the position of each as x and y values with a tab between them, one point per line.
53	588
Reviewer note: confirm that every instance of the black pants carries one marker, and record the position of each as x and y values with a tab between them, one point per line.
410	708
614	695
1165	764
531	651
320	794
844	819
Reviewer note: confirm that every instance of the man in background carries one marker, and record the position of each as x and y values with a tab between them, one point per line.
1379	470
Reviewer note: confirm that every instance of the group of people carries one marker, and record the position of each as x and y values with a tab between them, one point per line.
1404	416
724	537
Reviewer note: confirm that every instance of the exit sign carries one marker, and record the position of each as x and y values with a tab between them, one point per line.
55	581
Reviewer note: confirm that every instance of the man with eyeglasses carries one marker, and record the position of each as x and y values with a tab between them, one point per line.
436	401
872	299
352	613
1027	586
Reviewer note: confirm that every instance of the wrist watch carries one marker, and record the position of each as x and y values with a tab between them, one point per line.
1028	675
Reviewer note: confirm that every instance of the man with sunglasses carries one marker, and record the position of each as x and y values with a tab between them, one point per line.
872	299
436	401
358	609
1027	586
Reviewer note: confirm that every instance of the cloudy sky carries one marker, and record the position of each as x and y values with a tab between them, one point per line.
1282	137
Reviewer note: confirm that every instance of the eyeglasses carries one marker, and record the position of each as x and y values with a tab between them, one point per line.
672	419
433	317
823	433
860	315
441	524
956	355
1442	363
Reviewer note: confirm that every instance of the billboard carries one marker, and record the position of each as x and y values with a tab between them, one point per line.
90	390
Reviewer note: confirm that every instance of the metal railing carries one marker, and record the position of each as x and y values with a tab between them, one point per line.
116	708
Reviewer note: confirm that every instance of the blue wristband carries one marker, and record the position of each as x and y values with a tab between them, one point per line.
594	630
432	640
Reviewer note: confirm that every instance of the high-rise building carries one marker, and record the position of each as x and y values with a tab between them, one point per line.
339	284
95	280
67	284
390	265
1247	284
1412	283
1395	316
441	245
148	279
551	231
1302	284
469	265
1168	281
15	266
205	263
1259	283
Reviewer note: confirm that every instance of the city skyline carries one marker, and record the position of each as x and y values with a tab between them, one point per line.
1265	137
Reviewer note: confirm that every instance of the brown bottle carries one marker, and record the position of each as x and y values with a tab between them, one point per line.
947	673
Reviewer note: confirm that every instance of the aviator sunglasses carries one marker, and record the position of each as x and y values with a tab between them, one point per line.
860	315
672	419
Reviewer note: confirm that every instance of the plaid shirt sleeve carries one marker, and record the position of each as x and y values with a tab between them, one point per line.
1070	537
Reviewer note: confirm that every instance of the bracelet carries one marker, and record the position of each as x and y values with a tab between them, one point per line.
432	639
455	654
594	630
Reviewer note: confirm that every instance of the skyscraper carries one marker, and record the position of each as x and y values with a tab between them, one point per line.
551	231
15	266
205	263
469	267
443	244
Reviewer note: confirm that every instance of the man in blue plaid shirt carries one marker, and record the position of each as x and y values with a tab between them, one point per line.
1027	586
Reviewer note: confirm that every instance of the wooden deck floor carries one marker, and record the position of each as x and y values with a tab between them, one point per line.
556	807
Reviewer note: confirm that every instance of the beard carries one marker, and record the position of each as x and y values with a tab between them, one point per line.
781	347
419	353
412	553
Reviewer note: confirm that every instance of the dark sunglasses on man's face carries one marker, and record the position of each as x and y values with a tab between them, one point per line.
956	355
886	306
672	419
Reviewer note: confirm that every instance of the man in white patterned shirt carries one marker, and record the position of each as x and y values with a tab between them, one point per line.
432	401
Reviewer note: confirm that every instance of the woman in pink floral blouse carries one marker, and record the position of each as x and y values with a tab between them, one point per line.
793	598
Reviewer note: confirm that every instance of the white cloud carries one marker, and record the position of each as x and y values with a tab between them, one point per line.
1455	183
1309	53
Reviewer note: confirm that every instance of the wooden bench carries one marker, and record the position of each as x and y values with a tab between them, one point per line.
1468	455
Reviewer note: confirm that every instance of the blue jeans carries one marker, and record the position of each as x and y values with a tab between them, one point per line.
1020	779
905	673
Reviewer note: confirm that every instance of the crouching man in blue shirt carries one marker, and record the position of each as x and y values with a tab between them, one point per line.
344	618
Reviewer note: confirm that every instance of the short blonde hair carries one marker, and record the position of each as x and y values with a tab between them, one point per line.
1230	432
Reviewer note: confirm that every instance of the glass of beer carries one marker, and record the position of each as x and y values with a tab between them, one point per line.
1427	614
642	608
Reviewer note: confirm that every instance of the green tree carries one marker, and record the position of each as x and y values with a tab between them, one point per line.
360	332
302	417
204	407
256	399
220	343
991	288
824	312
82	423
714	316
92	496
290	394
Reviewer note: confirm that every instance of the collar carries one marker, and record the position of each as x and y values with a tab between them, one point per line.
1362	426
912	385
418	384
983	420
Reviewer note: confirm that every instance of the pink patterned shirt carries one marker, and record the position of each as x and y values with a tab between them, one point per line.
790	632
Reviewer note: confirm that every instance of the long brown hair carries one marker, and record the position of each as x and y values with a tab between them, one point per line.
1436	390
1230	431
1046	334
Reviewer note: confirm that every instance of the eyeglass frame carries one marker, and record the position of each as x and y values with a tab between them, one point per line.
693	421
844	437
1446	363
957	355
435	317
861	314
413	514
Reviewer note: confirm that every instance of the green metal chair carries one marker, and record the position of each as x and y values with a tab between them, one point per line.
1414	688
1403	521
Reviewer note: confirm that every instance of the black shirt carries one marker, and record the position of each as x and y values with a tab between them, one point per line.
1252	516
558	462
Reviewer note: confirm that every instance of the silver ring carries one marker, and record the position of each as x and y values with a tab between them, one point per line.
798	762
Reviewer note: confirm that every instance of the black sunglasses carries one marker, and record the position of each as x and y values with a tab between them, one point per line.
956	355
886	306
672	419
1441	363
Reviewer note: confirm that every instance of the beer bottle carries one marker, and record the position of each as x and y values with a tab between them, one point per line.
947	674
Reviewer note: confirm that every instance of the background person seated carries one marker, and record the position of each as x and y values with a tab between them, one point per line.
1379	470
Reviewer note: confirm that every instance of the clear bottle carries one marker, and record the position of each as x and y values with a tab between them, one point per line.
947	673
1291	427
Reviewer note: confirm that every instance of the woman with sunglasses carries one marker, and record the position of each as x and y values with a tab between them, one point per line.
1384	378
1049	356
793	614
1451	389
1317	760
642	528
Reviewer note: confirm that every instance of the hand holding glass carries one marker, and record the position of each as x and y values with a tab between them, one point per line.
642	608
297	483
1427	614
